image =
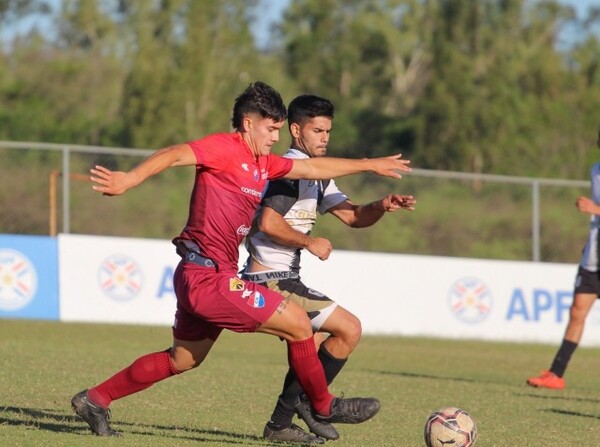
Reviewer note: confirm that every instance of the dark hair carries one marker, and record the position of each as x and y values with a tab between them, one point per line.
304	107
258	98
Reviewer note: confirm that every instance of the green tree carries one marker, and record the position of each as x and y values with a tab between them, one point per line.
189	59
497	82
67	90
368	57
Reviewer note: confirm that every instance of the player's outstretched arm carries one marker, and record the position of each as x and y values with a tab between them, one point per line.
323	168
113	183
360	216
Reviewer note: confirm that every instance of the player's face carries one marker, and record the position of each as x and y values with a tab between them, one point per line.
261	133
312	136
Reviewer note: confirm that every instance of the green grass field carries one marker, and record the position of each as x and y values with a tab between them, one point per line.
227	400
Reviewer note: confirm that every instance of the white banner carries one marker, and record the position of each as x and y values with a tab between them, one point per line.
116	280
106	279
452	297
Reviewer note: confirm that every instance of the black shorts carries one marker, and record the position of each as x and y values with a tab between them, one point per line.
587	282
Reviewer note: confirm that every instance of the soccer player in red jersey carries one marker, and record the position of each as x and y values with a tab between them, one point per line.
231	172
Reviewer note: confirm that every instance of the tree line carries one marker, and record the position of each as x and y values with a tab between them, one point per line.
492	86
479	86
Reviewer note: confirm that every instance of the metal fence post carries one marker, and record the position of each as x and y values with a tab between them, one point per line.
66	179
535	224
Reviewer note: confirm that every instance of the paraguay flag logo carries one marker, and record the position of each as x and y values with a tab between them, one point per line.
18	280
120	277
257	300
470	300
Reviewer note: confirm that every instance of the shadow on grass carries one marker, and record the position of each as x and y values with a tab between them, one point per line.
59	422
565	398
425	376
571	413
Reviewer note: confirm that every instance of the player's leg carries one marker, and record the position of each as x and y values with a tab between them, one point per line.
318	307
325	316
553	378
92	404
586	292
291	323
345	332
192	340
580	308
280	423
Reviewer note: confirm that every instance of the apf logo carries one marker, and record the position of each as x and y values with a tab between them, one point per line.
120	277
18	280
470	300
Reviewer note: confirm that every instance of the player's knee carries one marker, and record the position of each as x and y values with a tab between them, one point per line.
302	327
580	308
348	333
352	332
301	330
578	314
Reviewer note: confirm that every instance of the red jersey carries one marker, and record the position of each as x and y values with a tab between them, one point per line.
227	191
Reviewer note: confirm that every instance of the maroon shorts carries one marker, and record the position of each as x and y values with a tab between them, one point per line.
209	301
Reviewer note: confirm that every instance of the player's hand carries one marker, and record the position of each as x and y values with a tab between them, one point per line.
394	202
390	166
320	247
586	205
110	183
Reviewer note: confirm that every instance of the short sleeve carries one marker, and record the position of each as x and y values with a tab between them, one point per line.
281	195
278	166
213	151
332	196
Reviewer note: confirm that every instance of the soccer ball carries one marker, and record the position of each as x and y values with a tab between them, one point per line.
450	426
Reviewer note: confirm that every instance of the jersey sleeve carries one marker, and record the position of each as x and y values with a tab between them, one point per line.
213	151
281	195
278	166
332	196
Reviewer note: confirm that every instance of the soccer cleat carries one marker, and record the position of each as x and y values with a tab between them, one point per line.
96	417
293	433
319	428
351	411
547	380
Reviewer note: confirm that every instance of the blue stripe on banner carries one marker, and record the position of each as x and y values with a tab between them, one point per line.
28	277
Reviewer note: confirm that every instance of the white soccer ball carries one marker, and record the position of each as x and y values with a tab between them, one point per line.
450	426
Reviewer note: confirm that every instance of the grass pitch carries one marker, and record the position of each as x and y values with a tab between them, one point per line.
227	401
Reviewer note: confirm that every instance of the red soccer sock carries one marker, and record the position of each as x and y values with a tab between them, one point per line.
141	374
303	359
